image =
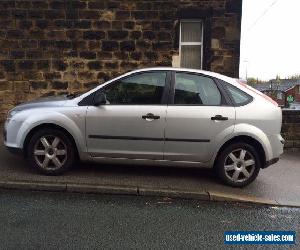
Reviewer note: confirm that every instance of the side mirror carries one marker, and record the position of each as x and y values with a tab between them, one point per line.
99	98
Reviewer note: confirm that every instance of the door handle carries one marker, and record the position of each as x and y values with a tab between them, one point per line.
219	118
150	117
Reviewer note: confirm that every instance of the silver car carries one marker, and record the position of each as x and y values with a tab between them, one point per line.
154	116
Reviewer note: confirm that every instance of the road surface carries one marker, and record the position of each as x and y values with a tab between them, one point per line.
45	220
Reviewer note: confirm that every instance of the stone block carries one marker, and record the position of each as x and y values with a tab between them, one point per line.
122	15
135	34
82	24
111	65
117	34
59	85
94	65
26	65
151	55
149	35
6	85
17	54
127	46
103	25
37	85
93	35
87	55
110	45
89	14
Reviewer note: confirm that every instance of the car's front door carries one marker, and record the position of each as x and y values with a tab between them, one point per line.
132	121
197	118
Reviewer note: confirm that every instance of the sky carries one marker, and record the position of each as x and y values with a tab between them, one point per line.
270	39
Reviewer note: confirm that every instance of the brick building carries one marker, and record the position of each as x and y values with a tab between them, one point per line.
58	46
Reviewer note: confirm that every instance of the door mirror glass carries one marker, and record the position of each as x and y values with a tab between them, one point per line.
99	98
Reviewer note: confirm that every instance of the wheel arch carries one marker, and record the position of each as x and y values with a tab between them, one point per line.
246	139
47	126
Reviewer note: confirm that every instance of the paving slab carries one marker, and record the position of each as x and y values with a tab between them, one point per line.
277	185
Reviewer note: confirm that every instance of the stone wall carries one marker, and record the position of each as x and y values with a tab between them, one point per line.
58	46
291	128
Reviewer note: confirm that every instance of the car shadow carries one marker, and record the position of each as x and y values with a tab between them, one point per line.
146	171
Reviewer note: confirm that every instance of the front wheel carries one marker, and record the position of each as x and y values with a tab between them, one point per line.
50	151
238	165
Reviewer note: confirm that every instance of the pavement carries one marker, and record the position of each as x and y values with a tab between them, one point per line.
53	220
277	185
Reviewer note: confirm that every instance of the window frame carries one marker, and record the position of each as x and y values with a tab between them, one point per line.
191	43
225	100
89	100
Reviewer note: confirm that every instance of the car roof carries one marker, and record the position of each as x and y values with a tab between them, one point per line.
208	73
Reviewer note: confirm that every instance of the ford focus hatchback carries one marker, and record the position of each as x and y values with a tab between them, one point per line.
155	116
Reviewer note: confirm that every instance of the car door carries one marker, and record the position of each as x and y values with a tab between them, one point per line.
197	118
132	121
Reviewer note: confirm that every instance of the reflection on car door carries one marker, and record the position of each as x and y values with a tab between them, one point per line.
196	118
131	124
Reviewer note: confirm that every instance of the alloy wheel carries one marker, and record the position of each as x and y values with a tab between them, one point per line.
239	165
50	152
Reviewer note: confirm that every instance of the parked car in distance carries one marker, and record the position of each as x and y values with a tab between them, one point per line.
154	116
295	106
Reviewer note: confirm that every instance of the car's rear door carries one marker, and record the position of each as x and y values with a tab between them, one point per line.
131	124
198	117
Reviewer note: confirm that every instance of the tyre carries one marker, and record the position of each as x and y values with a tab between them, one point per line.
50	151
238	165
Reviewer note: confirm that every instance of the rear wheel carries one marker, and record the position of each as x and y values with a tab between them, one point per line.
50	151
238	165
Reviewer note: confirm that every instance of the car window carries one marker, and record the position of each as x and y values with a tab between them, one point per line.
238	96
144	88
196	89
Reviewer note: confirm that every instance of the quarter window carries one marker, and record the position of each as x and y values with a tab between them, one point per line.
144	88
191	36
239	97
196	90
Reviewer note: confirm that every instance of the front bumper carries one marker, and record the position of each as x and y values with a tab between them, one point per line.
16	151
4	134
9	146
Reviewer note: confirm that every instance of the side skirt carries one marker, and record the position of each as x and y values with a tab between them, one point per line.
150	162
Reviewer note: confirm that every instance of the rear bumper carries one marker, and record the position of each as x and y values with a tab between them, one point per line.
276	144
271	162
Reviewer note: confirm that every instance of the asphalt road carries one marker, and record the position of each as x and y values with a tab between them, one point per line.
44	220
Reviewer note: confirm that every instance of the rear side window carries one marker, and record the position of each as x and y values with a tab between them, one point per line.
192	89
238	96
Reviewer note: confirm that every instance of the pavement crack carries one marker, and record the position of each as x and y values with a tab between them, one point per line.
208	194
277	202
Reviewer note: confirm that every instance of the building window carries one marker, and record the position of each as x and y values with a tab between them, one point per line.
279	95
191	44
